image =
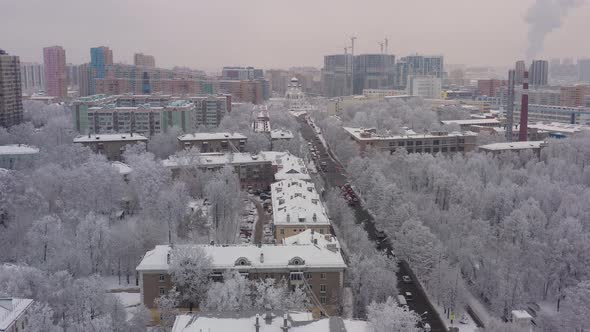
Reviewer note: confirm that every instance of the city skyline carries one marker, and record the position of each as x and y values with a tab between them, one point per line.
286	35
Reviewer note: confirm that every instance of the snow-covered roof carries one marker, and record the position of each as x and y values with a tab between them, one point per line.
309	236
297	203
560	127
358	133
291	167
11	309
281	134
254	257
123	168
12	149
521	314
210	136
214	159
512	146
109	138
245	322
487	121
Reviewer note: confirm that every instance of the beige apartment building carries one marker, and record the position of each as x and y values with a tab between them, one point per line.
433	142
318	268
213	142
111	145
297	207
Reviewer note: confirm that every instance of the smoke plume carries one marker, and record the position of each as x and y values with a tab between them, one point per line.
543	17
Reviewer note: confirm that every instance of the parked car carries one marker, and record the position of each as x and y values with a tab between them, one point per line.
407	279
409	296
402	300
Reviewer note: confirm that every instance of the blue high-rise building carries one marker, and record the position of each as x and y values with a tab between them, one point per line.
100	58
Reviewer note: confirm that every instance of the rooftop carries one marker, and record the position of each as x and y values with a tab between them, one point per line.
296	202
281	134
245	322
559	127
123	168
290	167
309	236
109	138
365	134
472	121
214	159
11	309
513	146
211	136
521	314
12	149
246	257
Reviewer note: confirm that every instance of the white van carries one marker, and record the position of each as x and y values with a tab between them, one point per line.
402	300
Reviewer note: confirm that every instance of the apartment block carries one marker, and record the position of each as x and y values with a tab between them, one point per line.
490	87
17	156
412	142
54	62
11	104
210	110
574	96
140	59
428	87
318	268
32	77
254	171
213	142
110	145
297	207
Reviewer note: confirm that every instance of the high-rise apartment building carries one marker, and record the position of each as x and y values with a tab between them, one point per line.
54	60
584	70
11	103
241	73
373	71
574	96
428	87
72	74
539	73
490	87
32	76
100	58
418	65
140	59
519	74
337	75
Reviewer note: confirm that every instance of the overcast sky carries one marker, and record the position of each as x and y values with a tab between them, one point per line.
279	34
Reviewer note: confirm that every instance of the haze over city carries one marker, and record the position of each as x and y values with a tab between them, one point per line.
280	34
294	166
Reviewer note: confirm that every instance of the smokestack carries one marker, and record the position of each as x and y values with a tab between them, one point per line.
524	109
510	105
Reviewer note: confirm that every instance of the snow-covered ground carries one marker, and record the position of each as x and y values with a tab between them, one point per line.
129	299
112	283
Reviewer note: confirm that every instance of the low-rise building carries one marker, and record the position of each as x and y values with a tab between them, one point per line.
14	314
280	134
297	207
213	142
287	166
17	156
110	145
561	114
433	142
319	269
254	171
497	148
266	321
533	134
559	130
468	123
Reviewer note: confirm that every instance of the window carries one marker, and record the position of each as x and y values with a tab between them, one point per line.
282	231
162	277
460	148
444	149
418	150
435	150
323	299
410	150
296	276
410	143
323	275
322	288
453	149
401	143
427	150
308	276
418	142
435	142
321	231
161	290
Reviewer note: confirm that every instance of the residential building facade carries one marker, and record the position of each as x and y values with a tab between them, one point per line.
213	142
373	71
550	113
490	87
318	269
539	73
11	104
428	87
32	77
337	75
110	145
14	314
140	59
411	142
17	156
54	63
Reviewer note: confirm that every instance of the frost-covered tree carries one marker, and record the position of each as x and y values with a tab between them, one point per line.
225	198
233	294
389	316
190	268
418	246
164	144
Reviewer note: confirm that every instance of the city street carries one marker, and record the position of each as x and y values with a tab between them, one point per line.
335	177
